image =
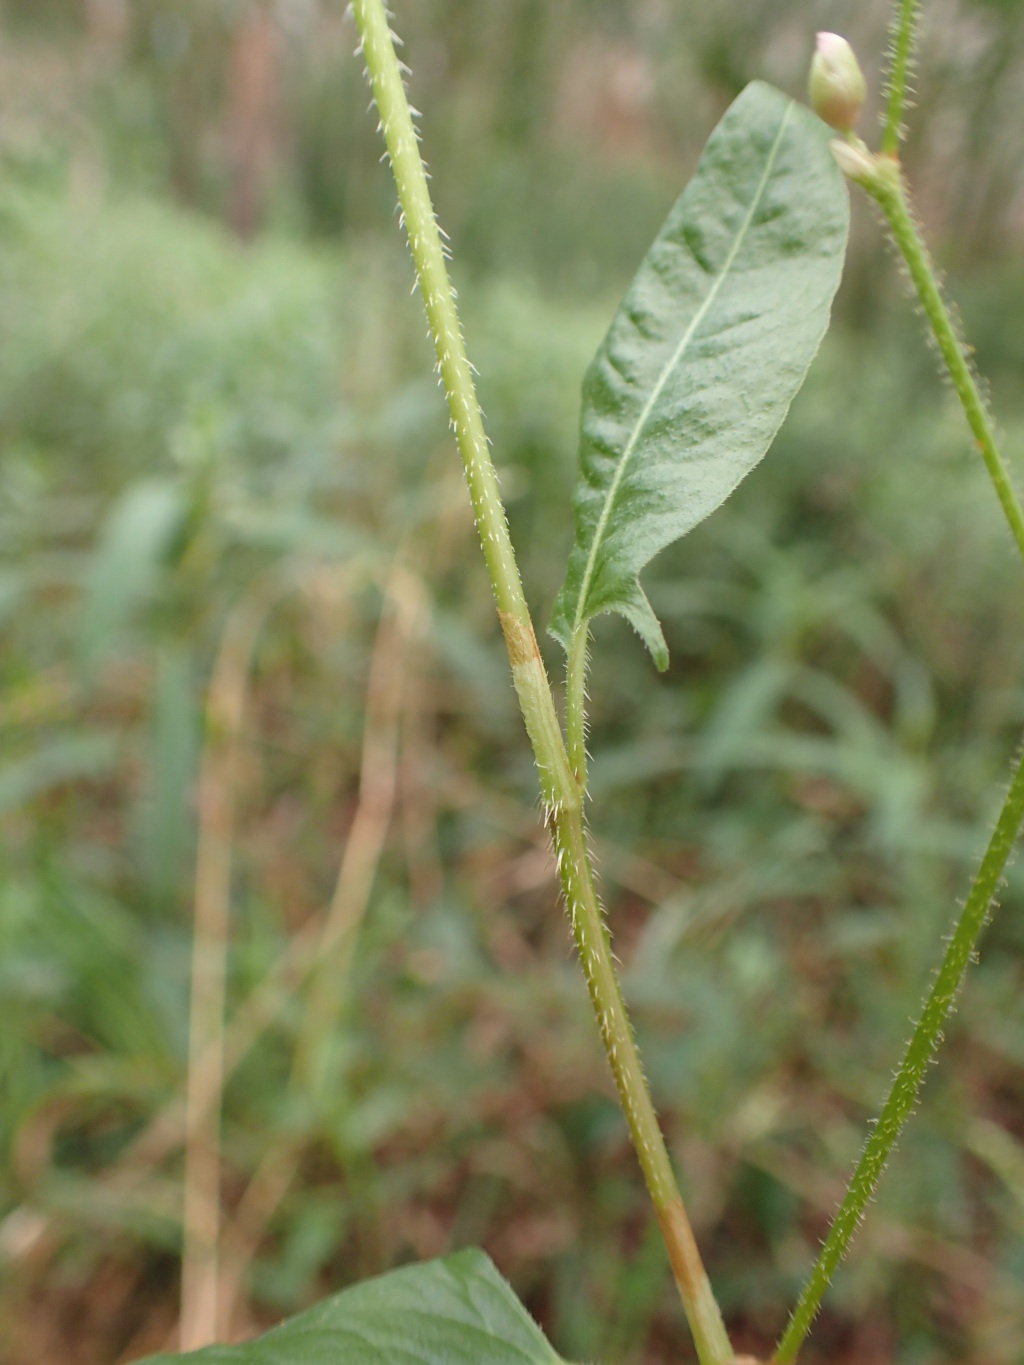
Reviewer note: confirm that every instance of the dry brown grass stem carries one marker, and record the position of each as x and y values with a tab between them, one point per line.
210	1066
225	710
403	618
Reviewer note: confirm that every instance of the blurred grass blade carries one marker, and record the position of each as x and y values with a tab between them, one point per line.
70	757
458	1311
135	540
706	352
167	817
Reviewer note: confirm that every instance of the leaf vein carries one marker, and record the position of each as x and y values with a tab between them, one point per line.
667	370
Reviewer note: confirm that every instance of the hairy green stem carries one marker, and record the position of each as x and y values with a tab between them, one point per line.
887	187
591	935
561	790
881	176
904	26
922	1046
464	409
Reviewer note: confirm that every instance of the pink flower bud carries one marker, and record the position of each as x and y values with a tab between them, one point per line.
837	86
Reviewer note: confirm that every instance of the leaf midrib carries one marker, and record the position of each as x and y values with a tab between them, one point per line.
667	369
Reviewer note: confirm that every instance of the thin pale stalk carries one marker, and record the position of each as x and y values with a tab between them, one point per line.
240	1243
217	784
920	1050
903	33
561	793
576	705
403	616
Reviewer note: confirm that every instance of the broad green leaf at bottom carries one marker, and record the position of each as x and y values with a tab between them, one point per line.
706	353
458	1311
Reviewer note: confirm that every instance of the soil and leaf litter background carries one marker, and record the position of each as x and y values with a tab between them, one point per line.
199	434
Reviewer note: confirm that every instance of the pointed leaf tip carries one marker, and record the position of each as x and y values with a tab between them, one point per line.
705	354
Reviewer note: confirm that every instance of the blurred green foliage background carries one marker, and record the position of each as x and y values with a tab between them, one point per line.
217	416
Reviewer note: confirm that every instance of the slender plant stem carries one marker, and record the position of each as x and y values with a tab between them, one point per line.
403	615
904	28
883	179
922	1046
591	935
561	792
576	705
457	377
225	708
889	190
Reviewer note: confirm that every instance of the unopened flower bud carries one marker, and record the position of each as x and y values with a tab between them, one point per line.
837	86
855	161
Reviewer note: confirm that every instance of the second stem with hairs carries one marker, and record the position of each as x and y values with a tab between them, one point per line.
882	176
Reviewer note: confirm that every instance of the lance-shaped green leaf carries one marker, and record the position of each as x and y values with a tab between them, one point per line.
458	1311
706	352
